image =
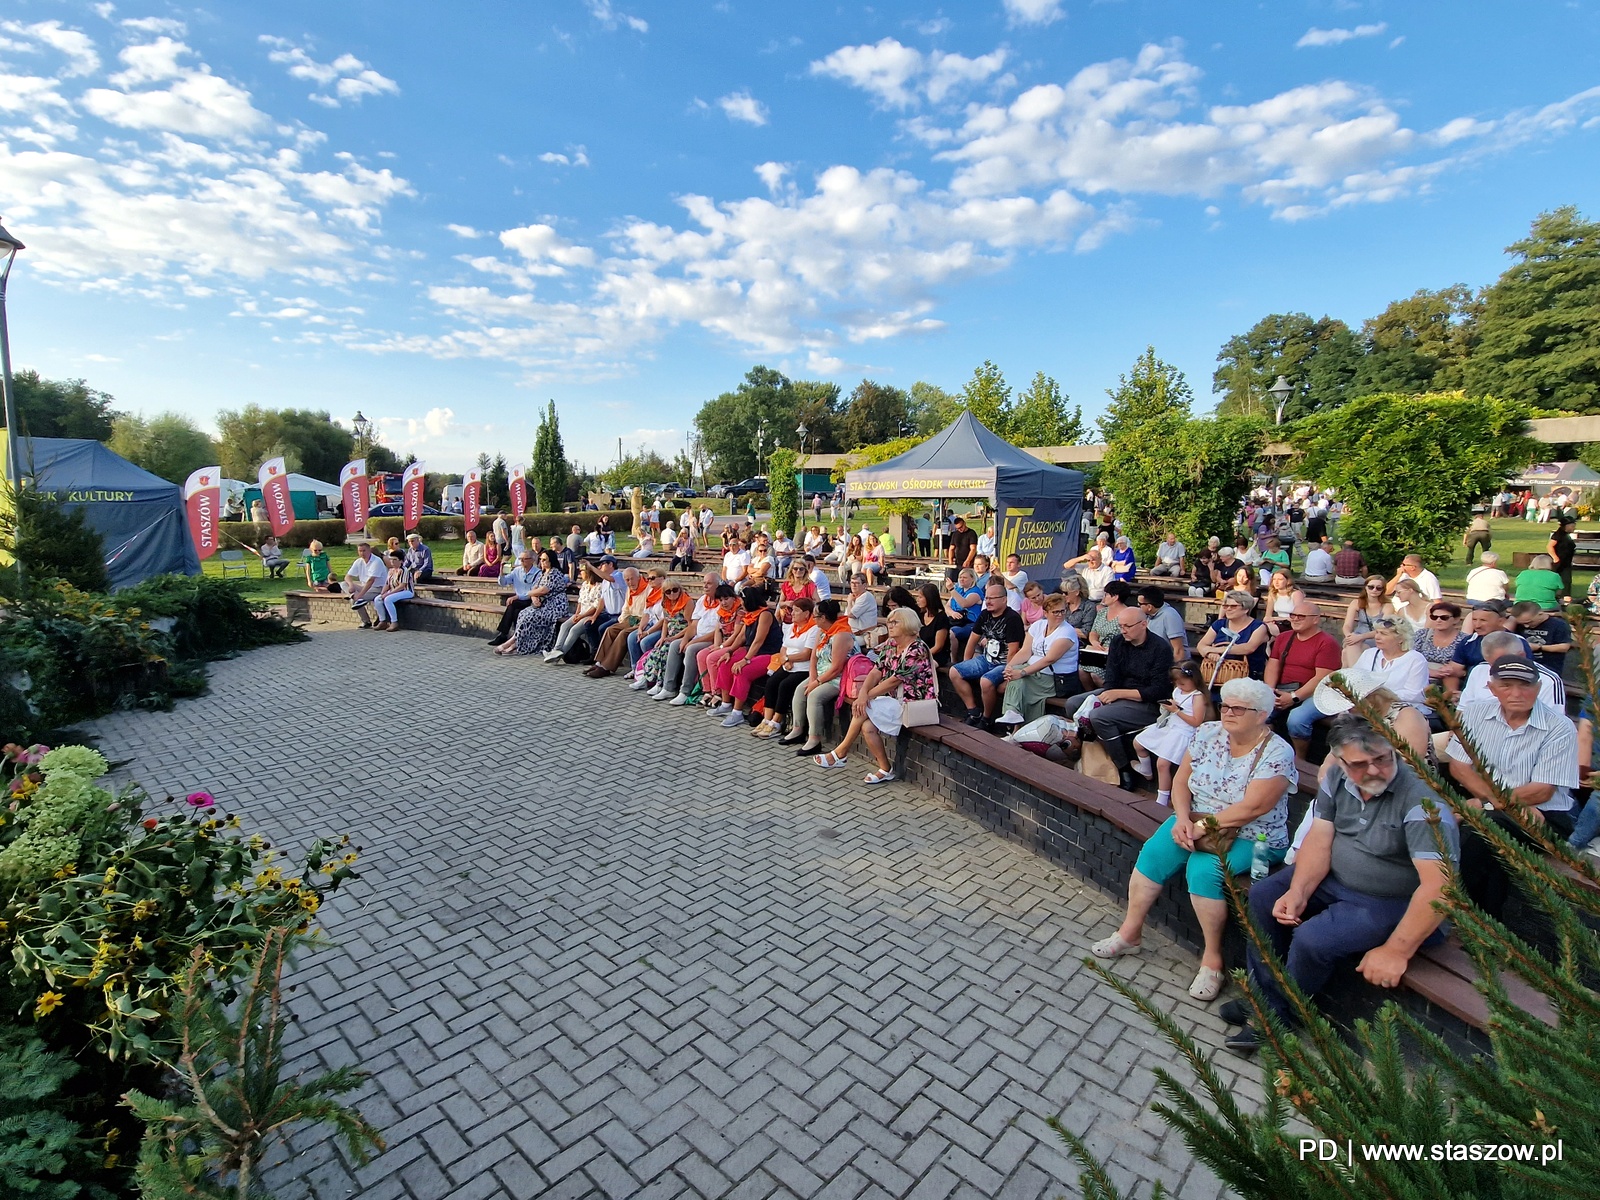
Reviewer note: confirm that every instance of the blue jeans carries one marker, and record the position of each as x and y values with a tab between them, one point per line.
1338	922
1302	717
1588	824
597	627
638	648
980	666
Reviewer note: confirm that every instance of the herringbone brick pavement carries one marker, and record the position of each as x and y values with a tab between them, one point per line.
605	948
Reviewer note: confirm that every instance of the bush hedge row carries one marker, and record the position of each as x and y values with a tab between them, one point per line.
432	529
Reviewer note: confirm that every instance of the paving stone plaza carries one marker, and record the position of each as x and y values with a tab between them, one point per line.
605	948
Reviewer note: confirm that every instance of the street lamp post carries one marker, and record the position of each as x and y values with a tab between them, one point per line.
801	432
8	248
363	430
1280	391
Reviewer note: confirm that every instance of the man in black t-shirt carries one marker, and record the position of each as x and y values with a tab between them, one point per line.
1549	635
963	547
995	640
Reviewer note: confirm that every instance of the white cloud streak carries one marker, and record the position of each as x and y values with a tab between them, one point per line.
610	18
1034	12
742	106
1314	37
899	76
349	77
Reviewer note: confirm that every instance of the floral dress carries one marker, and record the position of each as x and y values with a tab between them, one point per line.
1218	779
655	663
536	625
914	668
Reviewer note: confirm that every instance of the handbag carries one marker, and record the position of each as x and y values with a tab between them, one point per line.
916	713
1222	841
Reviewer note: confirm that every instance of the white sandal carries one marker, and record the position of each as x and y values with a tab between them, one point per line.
1114	947
830	760
1208	983
879	777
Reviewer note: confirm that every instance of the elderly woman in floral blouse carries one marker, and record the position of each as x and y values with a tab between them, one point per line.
906	673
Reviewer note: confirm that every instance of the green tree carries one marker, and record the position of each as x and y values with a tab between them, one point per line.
1335	371
548	472
1410	467
1422	343
51	540
1041	417
1279	344
169	444
874	413
1539	335
320	447
932	408
381	460
1176	472
247	438
1151	389
497	483
66	408
729	425
641	467
785	490
817	407
988	398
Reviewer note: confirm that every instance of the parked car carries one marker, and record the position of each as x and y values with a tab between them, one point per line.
686	494
755	485
395	510
719	490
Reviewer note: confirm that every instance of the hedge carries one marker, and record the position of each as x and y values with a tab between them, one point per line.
300	535
432	529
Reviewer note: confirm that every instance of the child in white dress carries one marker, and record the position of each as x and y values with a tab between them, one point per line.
1168	739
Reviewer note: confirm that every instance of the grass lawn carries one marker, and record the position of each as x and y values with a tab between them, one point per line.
446	558
1509	537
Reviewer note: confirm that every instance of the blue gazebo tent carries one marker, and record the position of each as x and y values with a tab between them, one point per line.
140	517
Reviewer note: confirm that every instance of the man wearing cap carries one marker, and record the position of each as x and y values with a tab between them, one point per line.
1504	644
1528	748
419	559
1300	658
364	580
521	579
1364	881
613	594
1349	567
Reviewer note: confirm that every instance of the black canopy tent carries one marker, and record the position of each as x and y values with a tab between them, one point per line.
1039	505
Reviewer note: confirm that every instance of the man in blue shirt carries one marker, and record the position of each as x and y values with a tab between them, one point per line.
419	559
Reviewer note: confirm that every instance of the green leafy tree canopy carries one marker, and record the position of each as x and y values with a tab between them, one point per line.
548	473
1410	467
987	397
785	490
1151	389
169	444
1041	416
66	408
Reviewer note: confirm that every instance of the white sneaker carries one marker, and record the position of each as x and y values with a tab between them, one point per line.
662	693
722	710
680	700
733	720
550	656
639	685
1145	767
1010	717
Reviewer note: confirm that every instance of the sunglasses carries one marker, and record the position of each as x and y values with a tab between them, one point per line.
1439	616
1374	587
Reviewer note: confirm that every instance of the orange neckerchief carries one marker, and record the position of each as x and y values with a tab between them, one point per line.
654	596
634	591
673	608
730	617
842	625
750	618
799	629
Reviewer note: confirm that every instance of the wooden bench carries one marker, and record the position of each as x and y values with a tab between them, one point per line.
470	617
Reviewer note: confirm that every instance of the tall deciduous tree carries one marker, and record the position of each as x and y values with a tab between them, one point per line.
1172	471
785	490
641	467
873	413
1278	344
1151	389
987	397
932	408
1539	335
1410	467
249	437
549	467
61	408
1041	416
1335	372
1421	343
169	444
320	446
497	483
761	414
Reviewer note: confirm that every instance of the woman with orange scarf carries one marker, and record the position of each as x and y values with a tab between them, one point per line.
787	669
817	694
730	628
758	627
614	642
643	639
652	669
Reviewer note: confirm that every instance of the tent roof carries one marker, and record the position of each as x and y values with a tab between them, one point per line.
304	483
1572	471
964	458
80	465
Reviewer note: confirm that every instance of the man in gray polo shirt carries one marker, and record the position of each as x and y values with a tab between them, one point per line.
1531	750
1364	881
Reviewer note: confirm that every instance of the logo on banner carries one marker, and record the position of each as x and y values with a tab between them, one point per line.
411	485
519	492
353	495
1040	538
273	479
202	500
471	499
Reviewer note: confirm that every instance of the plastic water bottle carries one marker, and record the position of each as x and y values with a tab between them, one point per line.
1260	864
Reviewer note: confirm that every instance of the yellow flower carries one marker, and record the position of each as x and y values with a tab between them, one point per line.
292	885
144	910
310	901
47	1003
68	871
349	859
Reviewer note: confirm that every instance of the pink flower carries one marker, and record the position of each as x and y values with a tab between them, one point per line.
200	800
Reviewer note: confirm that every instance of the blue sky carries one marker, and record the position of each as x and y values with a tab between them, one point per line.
444	216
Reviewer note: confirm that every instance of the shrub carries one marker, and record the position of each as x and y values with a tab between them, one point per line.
785	491
43	1149
212	617
52	541
301	535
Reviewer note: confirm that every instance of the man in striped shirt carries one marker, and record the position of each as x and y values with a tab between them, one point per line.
1530	750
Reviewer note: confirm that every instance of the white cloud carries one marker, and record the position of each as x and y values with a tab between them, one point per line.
576	156
351	79
1034	12
412	434
73	44
742	106
464	231
151	24
182	188
772	174
898	75
1335	37
602	11
934	27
